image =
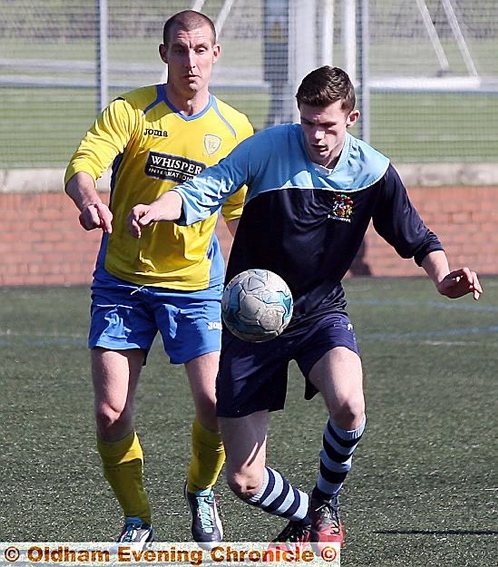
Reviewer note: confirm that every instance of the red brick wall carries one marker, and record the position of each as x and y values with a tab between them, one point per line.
42	242
464	218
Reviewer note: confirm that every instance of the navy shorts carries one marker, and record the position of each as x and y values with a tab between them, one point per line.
127	316
253	376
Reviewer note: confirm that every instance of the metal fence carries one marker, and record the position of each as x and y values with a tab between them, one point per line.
426	72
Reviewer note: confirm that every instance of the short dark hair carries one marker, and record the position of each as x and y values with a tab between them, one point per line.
188	20
327	85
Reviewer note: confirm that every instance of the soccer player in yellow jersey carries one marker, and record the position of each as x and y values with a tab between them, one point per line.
171	280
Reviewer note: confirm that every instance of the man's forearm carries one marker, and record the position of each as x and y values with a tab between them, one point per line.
81	189
436	265
168	207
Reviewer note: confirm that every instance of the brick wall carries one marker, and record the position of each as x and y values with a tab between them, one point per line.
464	218
42	242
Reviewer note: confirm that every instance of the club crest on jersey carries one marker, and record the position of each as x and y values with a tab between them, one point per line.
212	144
342	208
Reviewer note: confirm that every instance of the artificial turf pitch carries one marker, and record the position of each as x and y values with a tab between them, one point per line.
424	484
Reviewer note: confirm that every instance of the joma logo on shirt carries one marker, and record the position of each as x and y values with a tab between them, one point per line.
152	132
172	168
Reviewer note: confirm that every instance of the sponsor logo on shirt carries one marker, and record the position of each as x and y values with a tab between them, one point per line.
214	326
172	168
342	208
155	133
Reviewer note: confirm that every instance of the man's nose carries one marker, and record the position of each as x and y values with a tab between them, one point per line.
190	59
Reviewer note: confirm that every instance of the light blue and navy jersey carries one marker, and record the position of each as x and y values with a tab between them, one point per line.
304	222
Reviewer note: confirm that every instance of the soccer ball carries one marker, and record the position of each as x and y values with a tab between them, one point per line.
257	305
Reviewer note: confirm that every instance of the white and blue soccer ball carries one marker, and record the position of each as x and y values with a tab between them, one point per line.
257	305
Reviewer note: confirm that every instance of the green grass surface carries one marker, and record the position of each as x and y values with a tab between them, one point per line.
408	127
423	490
40	127
429	127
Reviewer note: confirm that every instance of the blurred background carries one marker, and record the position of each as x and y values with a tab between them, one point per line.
426	71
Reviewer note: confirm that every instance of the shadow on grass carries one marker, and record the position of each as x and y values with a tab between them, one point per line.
437	532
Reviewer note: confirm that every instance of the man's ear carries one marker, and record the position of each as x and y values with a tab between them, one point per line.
352	118
216	52
163	52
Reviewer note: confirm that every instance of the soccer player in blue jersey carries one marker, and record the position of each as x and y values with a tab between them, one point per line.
171	282
312	191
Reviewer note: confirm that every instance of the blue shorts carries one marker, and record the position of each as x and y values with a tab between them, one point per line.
127	316
253	376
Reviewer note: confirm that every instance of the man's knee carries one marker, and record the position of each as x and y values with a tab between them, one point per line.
112	423
244	485
350	414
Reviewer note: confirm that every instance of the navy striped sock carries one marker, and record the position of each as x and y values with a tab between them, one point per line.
335	459
278	497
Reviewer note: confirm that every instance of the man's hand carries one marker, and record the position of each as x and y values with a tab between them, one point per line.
168	207
96	215
93	212
138	218
459	283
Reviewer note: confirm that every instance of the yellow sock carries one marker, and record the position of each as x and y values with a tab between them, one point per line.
208	456
123	463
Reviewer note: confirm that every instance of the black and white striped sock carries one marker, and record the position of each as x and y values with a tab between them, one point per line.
278	497
335	459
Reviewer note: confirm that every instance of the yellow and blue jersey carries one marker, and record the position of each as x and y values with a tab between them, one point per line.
152	147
